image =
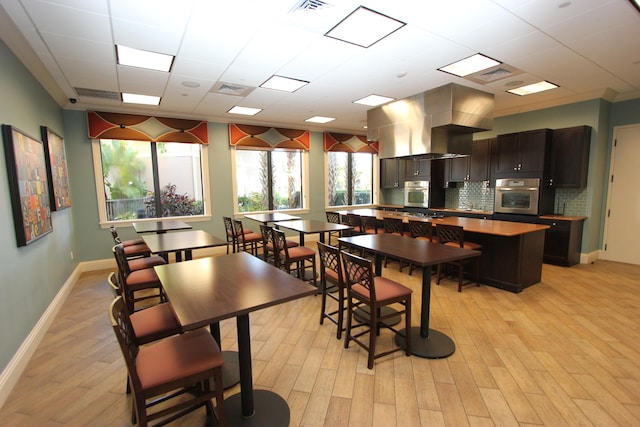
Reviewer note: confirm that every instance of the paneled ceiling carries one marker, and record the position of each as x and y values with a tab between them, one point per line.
224	50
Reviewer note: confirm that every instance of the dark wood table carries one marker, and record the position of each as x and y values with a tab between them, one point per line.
271	217
309	226
205	291
425	342
161	226
181	241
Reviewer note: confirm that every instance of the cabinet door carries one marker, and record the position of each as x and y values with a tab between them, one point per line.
533	150
556	242
417	170
570	157
458	169
479	160
390	173
507	154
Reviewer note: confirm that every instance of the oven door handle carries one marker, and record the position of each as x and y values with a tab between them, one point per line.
518	189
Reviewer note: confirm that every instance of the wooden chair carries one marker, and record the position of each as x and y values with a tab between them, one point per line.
333	217
354	221
267	243
370	225
134	281
331	274
134	248
286	257
393	226
421	230
369	292
453	235
247	241
170	370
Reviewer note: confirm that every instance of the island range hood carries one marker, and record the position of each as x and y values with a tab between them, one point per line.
435	124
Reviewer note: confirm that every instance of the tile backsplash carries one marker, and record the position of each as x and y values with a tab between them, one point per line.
470	195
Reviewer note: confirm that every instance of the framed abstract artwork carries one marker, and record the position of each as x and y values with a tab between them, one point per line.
56	169
28	185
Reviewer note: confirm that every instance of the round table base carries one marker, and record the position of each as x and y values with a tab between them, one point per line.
230	369
270	409
362	314
436	346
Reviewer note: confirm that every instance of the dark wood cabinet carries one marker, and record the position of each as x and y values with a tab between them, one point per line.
570	157
562	241
522	154
392	173
417	170
471	168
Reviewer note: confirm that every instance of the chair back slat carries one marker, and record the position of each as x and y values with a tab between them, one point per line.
450	233
330	259
333	217
393	225
421	229
126	337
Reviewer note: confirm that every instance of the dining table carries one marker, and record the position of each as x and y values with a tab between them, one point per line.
310	226
268	217
181	242
160	226
205	291
425	342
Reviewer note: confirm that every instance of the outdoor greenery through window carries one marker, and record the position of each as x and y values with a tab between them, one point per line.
135	172
268	180
350	178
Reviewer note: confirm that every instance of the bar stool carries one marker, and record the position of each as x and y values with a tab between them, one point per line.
331	273
286	257
393	226
453	235
251	241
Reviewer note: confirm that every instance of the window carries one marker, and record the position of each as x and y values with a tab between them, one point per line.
129	175
349	178
268	180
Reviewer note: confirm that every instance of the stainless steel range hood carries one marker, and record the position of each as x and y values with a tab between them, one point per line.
435	124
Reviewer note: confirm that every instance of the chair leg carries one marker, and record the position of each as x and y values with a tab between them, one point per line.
347	334
373	332
407	330
219	386
460	275
323	302
340	312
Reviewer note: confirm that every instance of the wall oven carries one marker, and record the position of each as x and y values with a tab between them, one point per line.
416	194
517	196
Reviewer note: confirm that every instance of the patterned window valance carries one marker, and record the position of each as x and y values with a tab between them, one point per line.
266	137
349	143
146	128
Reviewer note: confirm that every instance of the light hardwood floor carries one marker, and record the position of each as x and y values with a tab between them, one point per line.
563	352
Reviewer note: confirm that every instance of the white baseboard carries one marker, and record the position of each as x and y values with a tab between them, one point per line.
590	257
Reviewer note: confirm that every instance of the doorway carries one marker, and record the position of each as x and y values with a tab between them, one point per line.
622	225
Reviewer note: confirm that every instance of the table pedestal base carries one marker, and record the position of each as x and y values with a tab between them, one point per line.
230	369
270	409
436	346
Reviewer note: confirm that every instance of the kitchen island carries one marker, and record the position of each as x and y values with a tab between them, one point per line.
512	252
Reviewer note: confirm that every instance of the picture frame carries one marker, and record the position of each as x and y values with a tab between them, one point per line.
28	185
57	174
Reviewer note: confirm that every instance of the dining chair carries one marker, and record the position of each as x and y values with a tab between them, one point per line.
354	221
247	241
134	248
331	274
365	291
175	371
136	281
393	226
421	230
333	217
299	257
453	235
267	243
370	225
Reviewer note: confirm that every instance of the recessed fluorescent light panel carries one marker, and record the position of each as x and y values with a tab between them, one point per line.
533	88
143	59
283	83
133	98
373	100
364	27
636	4
470	65
320	119
245	111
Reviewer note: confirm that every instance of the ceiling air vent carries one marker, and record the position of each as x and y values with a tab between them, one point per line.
306	5
497	74
231	89
96	93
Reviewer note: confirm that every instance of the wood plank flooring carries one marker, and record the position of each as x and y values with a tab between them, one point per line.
563	352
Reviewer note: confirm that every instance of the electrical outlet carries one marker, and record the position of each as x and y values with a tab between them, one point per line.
72	255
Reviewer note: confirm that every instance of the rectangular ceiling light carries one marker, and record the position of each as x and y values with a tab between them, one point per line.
143	59
373	100
533	88
283	83
470	65
133	98
364	27
245	111
320	119
636	4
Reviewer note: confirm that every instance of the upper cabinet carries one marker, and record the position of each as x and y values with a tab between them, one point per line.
392	173
522	154
417	170
470	168
570	157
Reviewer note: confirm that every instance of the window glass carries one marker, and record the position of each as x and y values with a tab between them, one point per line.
349	178
362	178
252	180
337	177
287	179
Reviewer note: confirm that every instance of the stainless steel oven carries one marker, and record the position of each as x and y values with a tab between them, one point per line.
416	194
517	196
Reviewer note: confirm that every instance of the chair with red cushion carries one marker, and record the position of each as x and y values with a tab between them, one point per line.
135	281
132	248
394	226
267	243
175	371
334	217
453	235
247	242
298	259
370	225
421	230
331	277
368	292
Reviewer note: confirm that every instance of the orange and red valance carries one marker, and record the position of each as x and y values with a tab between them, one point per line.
146	128
349	143
268	137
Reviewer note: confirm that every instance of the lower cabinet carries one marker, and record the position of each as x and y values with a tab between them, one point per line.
562	241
